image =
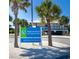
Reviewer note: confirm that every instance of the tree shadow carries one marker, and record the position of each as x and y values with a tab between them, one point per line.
46	53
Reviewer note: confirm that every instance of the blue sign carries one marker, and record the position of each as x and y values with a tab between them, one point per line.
33	34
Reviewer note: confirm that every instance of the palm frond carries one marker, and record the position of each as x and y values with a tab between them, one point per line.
64	20
23	8
56	10
26	4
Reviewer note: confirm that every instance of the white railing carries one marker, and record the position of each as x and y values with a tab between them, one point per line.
55	28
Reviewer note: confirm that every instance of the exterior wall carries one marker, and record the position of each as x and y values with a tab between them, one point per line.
56	29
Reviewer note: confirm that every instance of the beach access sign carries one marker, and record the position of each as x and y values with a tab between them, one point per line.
30	34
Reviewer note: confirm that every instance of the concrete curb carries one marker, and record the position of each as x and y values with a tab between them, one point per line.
55	36
58	36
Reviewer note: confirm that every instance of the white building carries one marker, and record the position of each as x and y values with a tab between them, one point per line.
11	25
56	28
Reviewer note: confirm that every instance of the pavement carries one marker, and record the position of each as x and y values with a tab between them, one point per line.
60	49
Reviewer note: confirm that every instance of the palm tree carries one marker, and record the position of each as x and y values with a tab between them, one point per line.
10	18
18	21
23	22
64	20
47	10
15	6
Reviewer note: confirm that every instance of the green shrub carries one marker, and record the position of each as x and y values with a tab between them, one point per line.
11	30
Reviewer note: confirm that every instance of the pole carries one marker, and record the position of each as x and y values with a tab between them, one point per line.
32	12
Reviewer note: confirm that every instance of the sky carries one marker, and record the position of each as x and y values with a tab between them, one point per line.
63	4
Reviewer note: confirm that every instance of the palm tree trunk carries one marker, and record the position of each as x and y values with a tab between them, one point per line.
16	32
16	24
49	32
18	28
